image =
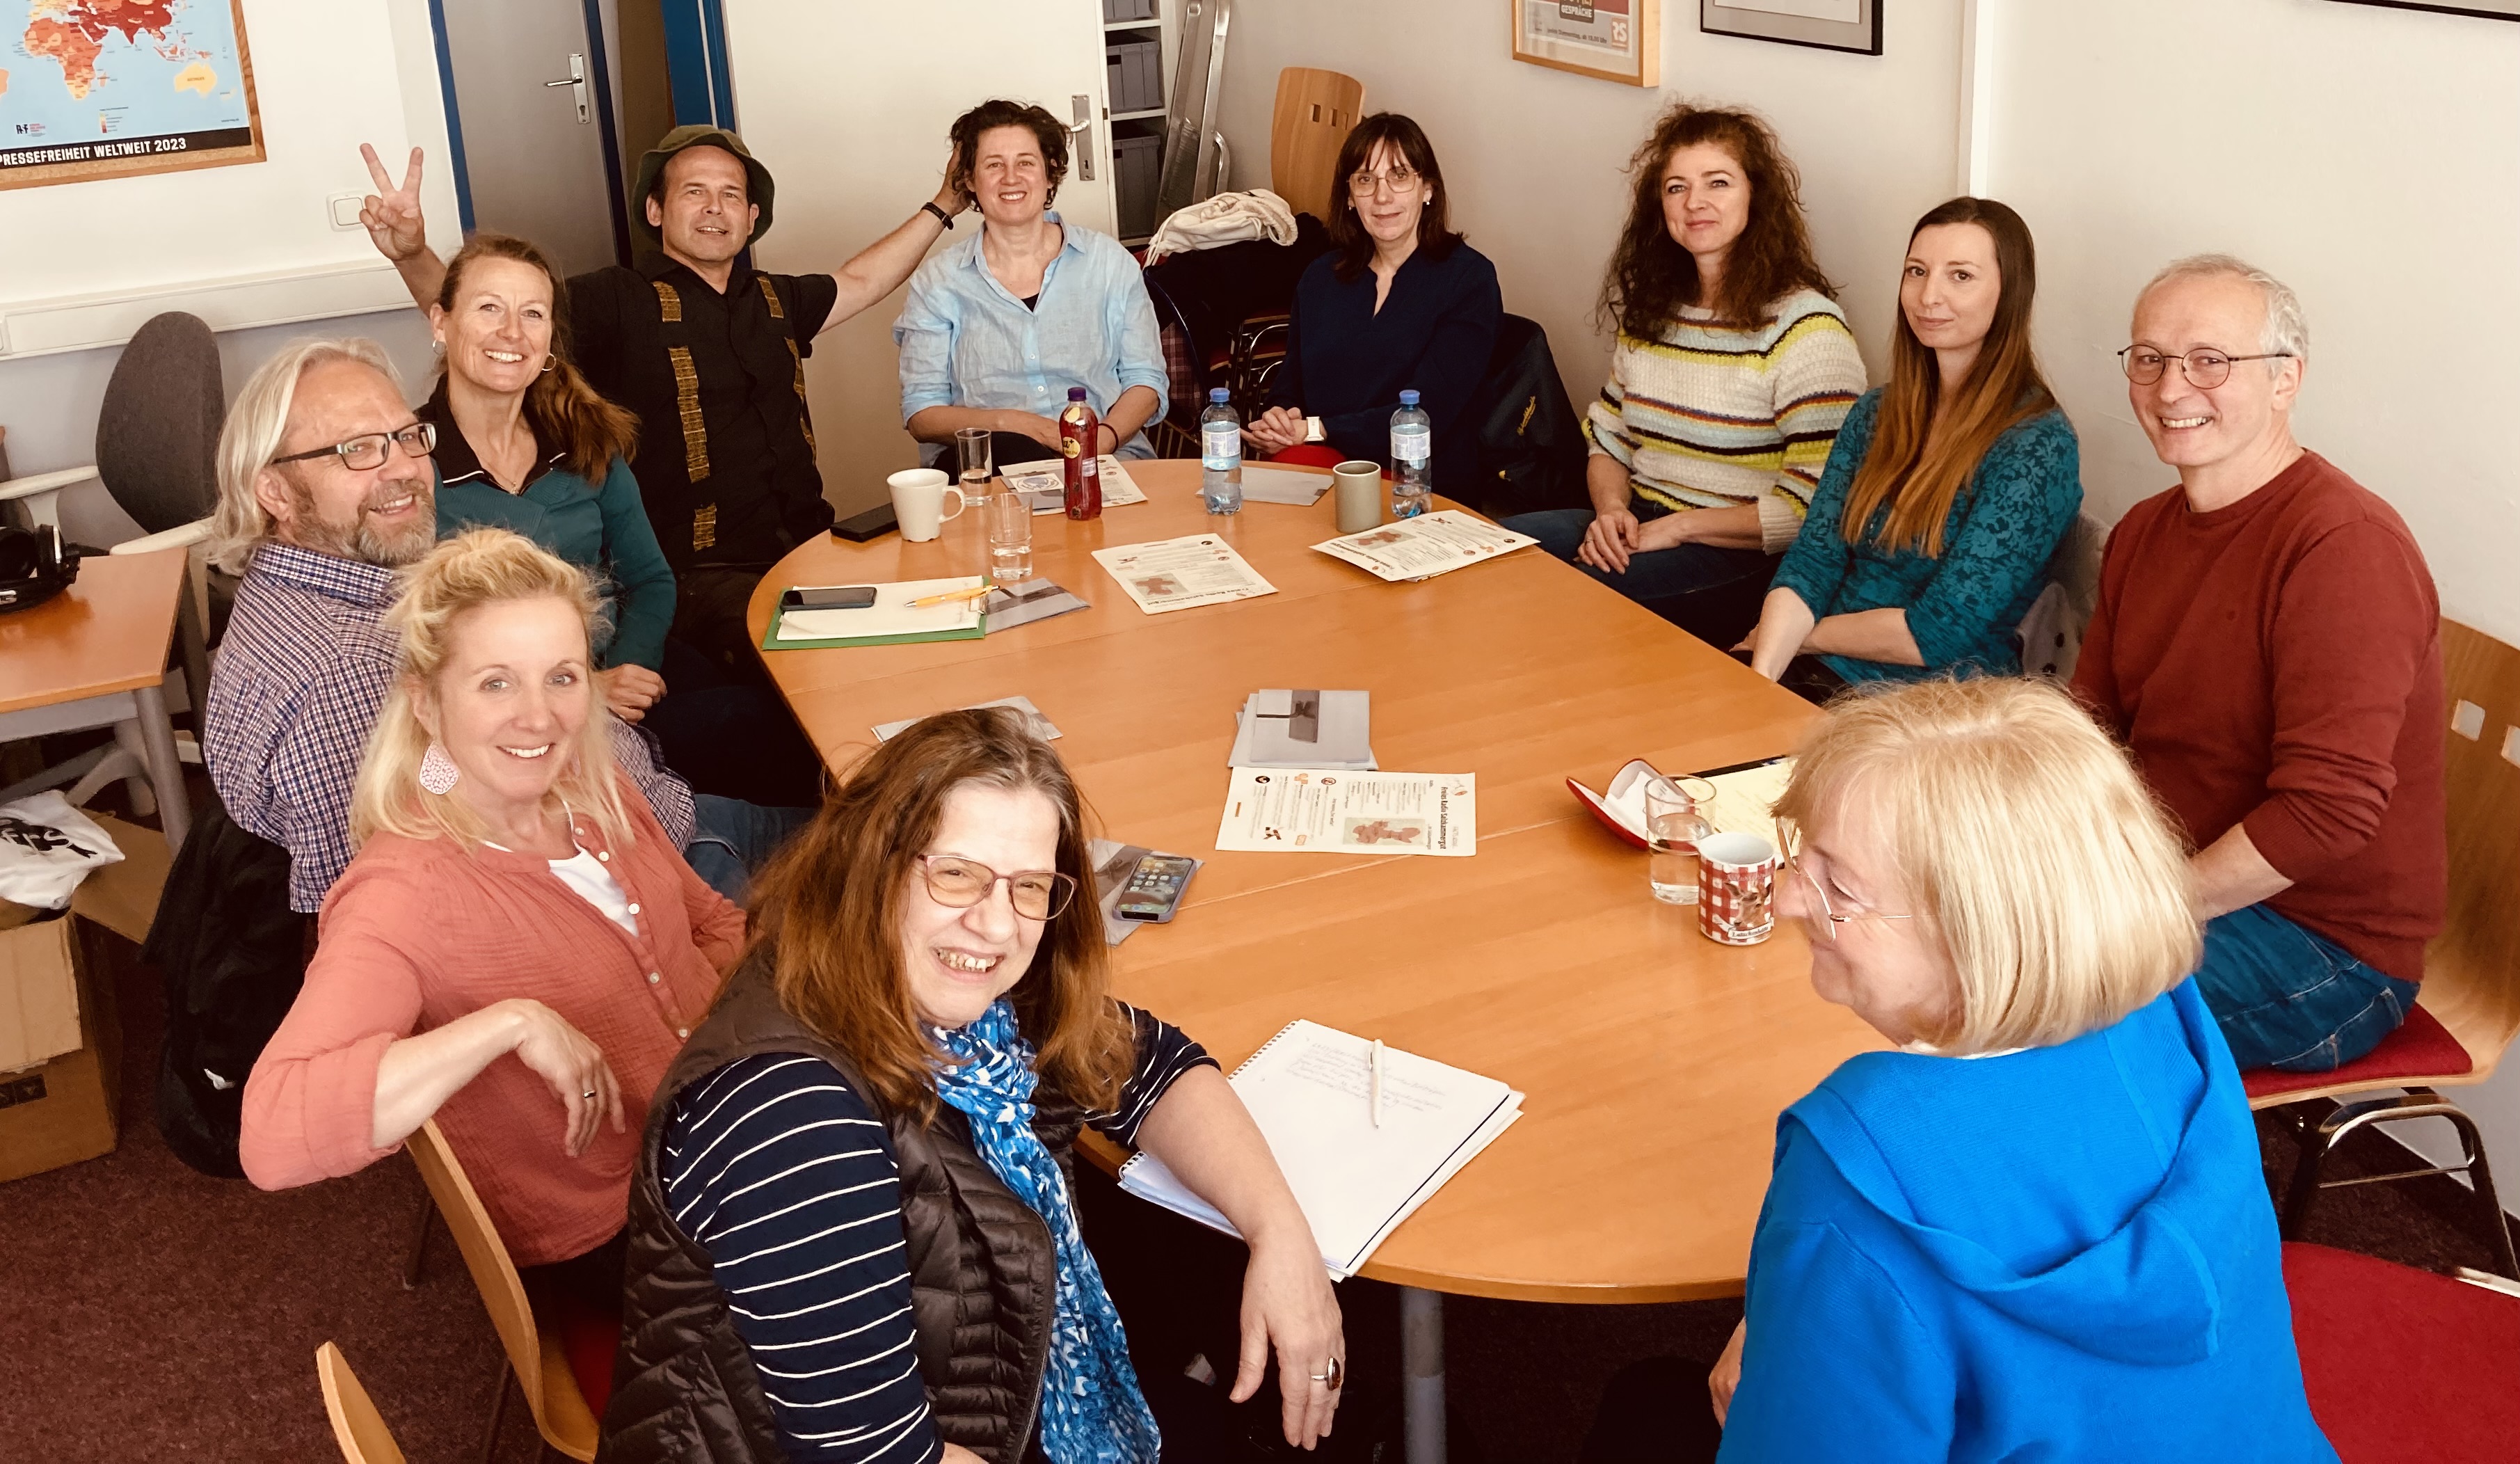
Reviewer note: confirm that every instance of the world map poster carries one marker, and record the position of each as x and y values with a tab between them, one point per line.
113	88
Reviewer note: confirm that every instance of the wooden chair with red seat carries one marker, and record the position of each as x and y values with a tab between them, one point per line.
2446	1388
562	1364
356	1425
2468	1009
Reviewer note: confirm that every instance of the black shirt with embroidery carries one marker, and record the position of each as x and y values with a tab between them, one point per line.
742	490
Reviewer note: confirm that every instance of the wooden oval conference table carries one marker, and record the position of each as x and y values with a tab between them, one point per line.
1653	1062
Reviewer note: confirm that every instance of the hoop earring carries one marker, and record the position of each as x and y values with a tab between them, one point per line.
550	360
437	771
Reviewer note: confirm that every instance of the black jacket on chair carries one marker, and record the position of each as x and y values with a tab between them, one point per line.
233	955
1530	443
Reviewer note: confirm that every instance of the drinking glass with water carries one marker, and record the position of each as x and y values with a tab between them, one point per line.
1005	513
1673	827
1413	449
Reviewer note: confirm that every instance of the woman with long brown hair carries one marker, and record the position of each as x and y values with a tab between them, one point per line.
853	1230
1949	489
1733	370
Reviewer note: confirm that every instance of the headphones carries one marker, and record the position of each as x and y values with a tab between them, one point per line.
34	567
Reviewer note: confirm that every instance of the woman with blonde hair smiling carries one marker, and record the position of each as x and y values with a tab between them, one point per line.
2037	1229
509	896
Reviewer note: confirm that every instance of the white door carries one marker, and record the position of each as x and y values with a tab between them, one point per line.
847	102
526	98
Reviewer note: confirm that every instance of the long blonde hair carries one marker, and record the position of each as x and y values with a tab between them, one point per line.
472	570
2025	842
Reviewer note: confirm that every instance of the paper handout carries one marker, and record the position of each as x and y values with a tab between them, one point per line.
1045	484
1026	601
891	620
1311	1092
1317	729
1427	545
1336	811
1041	725
1168	575
1262	485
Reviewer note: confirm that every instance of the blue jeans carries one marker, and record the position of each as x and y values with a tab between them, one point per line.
2292	999
729	840
1711	593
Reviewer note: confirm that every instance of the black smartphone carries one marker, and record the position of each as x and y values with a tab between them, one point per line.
874	522
829	597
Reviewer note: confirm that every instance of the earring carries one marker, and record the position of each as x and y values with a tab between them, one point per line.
550	361
437	771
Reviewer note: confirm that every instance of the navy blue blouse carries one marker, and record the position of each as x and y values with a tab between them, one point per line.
1347	364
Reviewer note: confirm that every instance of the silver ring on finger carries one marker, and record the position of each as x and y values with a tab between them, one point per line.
589	1093
1331	1376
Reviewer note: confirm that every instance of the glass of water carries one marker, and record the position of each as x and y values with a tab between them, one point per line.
1008	516
1673	827
972	450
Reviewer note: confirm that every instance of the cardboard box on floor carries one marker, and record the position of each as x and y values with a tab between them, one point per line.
61	1045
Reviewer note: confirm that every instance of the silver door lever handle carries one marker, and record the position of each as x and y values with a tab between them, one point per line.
576	77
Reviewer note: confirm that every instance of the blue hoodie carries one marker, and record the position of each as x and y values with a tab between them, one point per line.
2057	1255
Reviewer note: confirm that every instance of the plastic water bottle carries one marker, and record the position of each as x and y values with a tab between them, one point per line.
1413	451
1220	454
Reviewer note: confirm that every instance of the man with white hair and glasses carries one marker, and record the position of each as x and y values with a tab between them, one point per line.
2267	643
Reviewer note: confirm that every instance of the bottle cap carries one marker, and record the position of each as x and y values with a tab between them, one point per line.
1408	398
1219	393
1076	393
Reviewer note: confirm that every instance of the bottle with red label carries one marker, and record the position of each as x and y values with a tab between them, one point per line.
1079	433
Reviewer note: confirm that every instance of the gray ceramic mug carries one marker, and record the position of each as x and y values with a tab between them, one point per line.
1360	495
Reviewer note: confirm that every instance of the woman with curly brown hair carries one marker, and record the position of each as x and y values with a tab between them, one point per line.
1733	370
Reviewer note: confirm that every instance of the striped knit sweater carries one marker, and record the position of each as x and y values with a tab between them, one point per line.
1712	417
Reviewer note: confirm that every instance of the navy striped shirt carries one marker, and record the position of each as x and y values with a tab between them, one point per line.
783	1174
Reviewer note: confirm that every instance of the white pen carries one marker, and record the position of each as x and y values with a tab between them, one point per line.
1374	1064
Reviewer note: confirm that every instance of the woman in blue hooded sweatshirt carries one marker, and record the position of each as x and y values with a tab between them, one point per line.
2038	1229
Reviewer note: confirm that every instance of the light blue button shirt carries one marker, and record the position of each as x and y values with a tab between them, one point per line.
967	341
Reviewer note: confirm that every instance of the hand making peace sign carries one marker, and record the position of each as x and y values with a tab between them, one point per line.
392	214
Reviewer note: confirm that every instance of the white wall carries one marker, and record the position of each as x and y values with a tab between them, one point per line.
1535	157
2371	159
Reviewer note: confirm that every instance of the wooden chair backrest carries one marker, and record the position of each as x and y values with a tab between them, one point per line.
2472	970
1315	113
356	1425
485	1255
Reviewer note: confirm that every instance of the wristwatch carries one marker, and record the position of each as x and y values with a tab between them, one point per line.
1313	432
942	216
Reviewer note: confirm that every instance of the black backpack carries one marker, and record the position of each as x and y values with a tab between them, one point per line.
1530	443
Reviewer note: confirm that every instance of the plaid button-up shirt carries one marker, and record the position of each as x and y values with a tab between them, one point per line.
300	675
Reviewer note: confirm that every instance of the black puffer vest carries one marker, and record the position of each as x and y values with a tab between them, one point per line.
982	1274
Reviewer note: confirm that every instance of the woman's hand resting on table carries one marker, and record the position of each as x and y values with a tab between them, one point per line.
1275	429
630	690
1287	1301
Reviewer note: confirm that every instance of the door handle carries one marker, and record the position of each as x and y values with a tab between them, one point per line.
1082	135
575	80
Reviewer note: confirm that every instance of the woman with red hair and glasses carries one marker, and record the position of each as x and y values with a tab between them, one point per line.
1733	370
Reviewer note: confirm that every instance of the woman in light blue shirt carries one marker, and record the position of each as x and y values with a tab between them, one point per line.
1000	326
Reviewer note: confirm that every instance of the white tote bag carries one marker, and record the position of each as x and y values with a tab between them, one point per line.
46	847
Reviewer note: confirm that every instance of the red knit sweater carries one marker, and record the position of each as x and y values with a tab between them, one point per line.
418	932
2277	664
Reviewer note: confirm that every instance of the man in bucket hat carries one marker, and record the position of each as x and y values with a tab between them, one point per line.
709	352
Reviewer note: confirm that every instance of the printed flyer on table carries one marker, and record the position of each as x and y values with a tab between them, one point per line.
1329	811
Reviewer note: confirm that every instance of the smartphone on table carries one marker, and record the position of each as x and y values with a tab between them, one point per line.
829	597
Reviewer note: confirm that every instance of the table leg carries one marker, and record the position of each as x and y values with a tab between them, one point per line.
165	769
1421	1366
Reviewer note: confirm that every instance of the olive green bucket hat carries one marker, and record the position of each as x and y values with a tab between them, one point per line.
652	167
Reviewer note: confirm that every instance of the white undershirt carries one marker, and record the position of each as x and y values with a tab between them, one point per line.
594	883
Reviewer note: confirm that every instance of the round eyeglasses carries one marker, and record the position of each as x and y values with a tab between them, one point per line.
1789	845
2204	367
1363	182
960	882
364	453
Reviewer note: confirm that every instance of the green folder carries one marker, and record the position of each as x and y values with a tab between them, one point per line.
769	640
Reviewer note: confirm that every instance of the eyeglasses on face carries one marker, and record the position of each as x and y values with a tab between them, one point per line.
1789	842
362	453
960	882
1363	181
2204	367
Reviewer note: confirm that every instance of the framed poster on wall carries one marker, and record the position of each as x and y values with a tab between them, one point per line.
1832	25
114	88
1616	40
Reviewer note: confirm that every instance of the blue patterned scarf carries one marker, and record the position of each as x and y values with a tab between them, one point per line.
1092	1411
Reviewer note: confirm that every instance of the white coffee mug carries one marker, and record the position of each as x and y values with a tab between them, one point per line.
918	502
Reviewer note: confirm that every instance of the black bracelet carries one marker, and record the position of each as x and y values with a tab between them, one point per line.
942	216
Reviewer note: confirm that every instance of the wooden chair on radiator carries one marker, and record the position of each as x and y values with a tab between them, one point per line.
537	1354
356	1425
2468	1009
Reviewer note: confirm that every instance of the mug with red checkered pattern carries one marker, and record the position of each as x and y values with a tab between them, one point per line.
1736	888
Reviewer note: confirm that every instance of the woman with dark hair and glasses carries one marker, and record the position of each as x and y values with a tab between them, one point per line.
1947	490
853	1230
1402	302
998	327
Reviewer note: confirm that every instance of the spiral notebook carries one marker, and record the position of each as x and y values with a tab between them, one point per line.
1310	1088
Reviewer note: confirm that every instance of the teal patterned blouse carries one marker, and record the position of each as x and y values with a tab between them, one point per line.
1963	606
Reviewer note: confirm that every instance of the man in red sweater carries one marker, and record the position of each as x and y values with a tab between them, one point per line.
2267	643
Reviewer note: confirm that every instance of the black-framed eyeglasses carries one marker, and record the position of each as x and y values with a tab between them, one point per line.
369	451
2205	367
1036	893
1789	846
1363	181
